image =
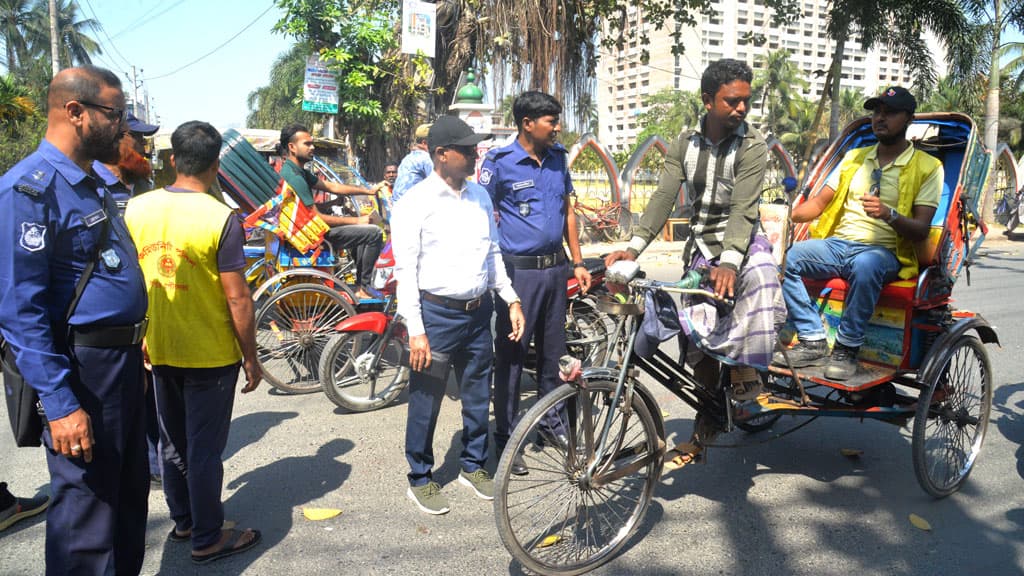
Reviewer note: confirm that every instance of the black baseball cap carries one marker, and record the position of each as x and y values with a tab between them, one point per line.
451	131
895	97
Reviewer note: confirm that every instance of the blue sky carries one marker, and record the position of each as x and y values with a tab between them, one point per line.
159	36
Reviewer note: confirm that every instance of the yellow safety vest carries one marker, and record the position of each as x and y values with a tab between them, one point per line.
912	176
177	235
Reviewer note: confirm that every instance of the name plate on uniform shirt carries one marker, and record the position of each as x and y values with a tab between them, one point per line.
94	218
521	185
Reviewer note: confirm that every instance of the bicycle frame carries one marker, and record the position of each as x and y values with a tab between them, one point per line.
607	216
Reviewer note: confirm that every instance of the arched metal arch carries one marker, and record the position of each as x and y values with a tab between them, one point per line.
1005	155
629	170
591	141
775	147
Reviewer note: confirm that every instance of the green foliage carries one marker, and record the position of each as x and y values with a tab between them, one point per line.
775	86
18	140
279	103
669	111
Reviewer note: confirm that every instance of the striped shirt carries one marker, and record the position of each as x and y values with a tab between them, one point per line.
719	198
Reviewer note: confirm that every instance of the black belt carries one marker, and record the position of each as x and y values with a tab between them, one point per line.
95	336
453	303
534	262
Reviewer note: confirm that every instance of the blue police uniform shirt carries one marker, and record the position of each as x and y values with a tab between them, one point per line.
119	190
412	170
51	216
529	198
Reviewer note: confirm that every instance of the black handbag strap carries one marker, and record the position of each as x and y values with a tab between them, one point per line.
90	265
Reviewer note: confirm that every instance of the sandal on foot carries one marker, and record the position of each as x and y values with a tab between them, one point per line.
173	535
683	454
230	547
744	391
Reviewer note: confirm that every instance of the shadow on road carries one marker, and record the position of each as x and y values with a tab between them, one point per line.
249	429
267	499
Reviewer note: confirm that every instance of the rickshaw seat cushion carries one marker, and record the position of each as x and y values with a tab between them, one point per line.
899	293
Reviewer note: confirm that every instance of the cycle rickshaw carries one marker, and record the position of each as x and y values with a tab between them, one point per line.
584	497
299	285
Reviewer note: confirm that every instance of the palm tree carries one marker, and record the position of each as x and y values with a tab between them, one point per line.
851	105
668	112
799	135
76	46
1013	69
16	104
14	16
280	102
777	83
586	113
898	25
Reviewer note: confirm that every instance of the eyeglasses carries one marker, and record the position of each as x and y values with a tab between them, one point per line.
876	182
119	112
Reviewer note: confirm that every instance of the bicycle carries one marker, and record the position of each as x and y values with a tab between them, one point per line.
611	220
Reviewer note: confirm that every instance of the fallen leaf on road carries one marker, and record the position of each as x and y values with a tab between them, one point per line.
320	513
851	452
920	523
664	413
549	541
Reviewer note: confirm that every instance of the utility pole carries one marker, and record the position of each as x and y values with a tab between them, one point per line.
135	92
54	56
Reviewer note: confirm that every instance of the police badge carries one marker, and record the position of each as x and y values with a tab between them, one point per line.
485	176
524	209
33	236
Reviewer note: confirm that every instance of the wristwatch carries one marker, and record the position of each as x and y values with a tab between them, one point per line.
893	216
576	265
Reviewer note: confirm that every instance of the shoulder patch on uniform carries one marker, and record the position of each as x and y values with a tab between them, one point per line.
485	176
33	236
33	183
26	189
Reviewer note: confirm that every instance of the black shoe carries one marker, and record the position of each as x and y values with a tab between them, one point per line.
559	440
518	467
805	353
843	364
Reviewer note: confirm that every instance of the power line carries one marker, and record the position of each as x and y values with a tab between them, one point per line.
225	43
104	31
147	18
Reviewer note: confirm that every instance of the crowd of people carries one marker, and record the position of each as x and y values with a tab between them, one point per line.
96	306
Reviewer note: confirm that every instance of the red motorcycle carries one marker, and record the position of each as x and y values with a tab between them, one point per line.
361	369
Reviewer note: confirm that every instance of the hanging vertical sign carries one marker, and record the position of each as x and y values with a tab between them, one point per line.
320	91
419	27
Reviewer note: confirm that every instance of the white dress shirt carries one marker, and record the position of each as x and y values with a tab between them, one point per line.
445	242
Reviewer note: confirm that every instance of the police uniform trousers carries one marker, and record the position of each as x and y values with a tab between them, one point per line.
96	522
194	406
543	295
466	338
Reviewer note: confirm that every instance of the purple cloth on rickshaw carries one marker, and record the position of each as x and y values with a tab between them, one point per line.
745	335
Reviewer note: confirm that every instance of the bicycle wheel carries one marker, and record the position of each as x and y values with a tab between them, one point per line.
622	230
345	373
587	331
556	519
292	328
952	417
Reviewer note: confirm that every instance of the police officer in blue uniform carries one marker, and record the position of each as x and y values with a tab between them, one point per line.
56	216
531	190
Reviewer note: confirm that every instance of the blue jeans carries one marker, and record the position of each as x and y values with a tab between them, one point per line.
865	268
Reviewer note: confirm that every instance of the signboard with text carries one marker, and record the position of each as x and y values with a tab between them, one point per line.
419	29
320	91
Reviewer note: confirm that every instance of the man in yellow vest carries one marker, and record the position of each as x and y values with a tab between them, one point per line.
201	329
872	210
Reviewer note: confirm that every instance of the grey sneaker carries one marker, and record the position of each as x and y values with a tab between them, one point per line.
480	481
19	508
805	353
843	364
429	498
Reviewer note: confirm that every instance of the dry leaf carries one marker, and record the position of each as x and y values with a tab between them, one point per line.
851	452
664	413
320	513
920	523
549	541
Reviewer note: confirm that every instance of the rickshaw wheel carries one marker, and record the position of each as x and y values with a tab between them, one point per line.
952	417
292	329
556	520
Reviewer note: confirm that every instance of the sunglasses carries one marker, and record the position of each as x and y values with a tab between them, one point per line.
876	182
121	113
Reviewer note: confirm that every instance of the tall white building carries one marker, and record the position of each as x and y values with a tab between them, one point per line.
624	84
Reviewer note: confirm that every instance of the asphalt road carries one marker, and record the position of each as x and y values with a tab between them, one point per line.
791	506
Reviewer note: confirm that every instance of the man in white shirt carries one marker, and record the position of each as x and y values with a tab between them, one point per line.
447	261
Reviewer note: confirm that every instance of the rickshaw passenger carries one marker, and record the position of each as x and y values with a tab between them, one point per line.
872	210
722	165
357	234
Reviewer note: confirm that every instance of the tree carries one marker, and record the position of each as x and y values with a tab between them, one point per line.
586	113
279	103
775	86
14	16
851	105
21	124
75	46
668	112
950	95
800	134
898	25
